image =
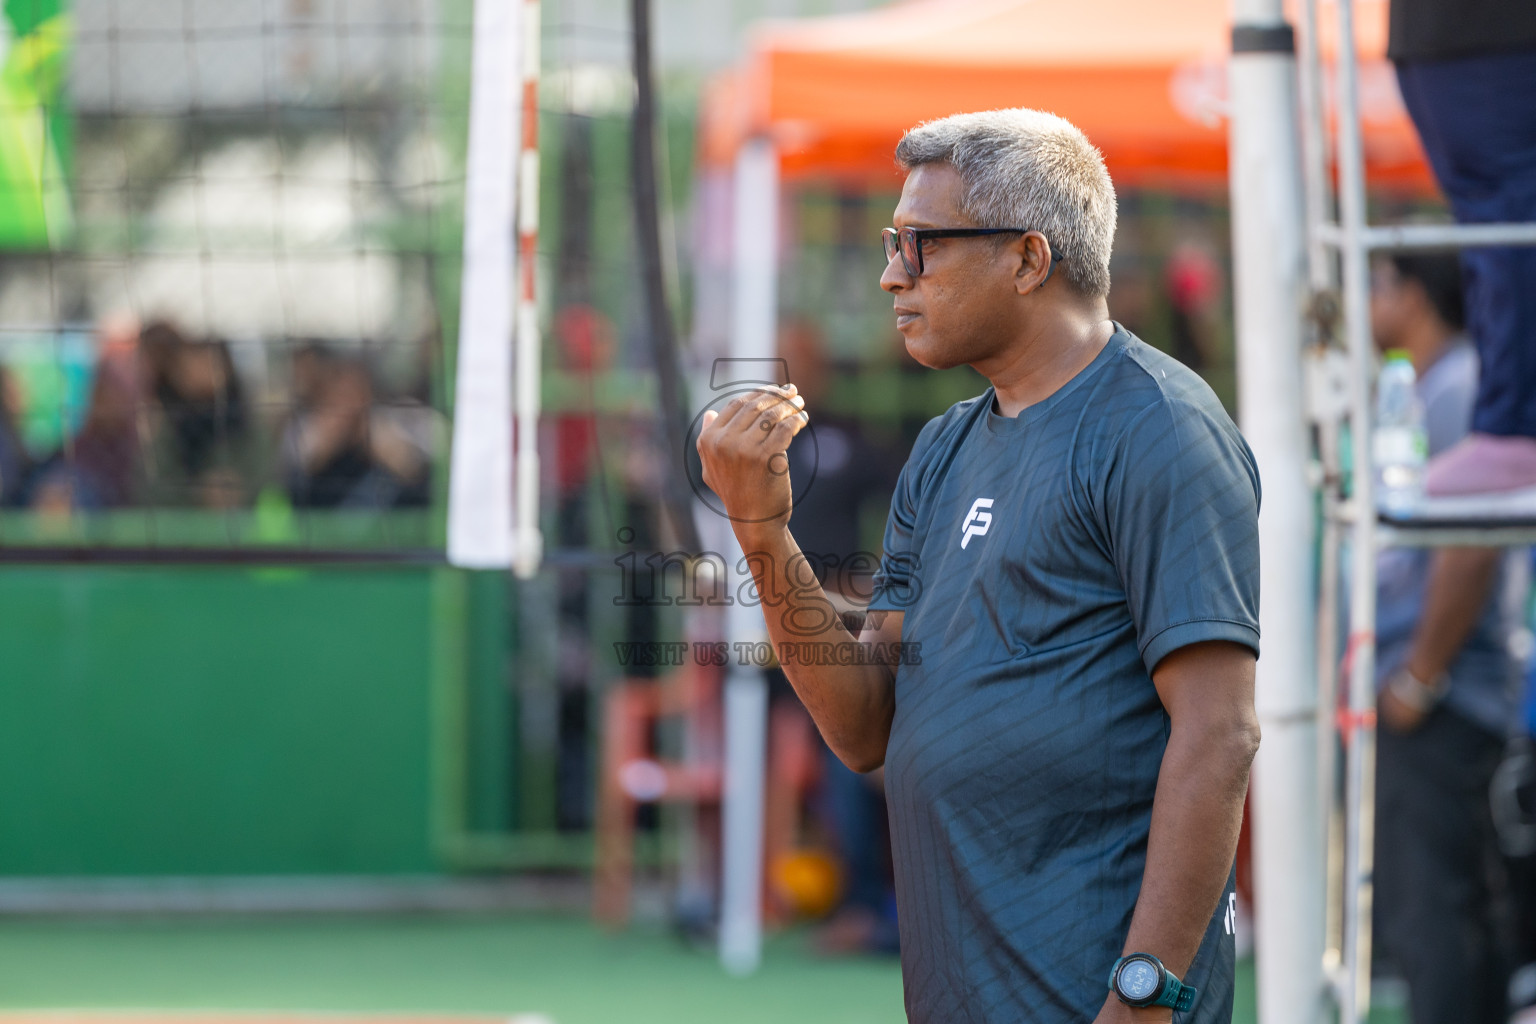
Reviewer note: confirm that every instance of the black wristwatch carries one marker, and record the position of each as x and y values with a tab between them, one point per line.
1140	979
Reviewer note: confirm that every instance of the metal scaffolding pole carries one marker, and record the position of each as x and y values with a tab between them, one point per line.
1326	407
1360	651
1440	523
1403	237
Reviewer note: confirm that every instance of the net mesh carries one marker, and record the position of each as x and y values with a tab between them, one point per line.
230	236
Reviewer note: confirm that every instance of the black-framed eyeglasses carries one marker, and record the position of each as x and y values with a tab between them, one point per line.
909	242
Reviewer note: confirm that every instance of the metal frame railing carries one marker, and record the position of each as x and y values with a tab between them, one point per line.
1339	251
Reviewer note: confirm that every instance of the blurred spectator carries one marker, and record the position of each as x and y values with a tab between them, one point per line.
836	470
342	450
106	451
308	369
585	348
99	467
1467	69
1514	795
1193	279
202	416
1448	693
14	463
1468	76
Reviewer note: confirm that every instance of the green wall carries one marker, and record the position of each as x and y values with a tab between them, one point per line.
216	720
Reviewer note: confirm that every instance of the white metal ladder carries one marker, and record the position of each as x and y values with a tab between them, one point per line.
1340	391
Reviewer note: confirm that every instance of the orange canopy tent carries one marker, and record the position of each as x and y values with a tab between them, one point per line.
1146	81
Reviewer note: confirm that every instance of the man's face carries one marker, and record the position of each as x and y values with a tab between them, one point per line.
1393	307
963	308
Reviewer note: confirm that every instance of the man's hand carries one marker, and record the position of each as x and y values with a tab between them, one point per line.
1397	713
743	449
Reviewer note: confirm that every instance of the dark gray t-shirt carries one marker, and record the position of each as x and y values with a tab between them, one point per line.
1045	564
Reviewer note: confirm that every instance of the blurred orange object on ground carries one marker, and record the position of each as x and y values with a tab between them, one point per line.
809	882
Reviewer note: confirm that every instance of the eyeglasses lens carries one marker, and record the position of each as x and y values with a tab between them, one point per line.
905	242
911	252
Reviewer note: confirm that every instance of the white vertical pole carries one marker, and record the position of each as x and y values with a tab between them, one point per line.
754	316
480	474
1269	250
1314	147
527	539
1360	760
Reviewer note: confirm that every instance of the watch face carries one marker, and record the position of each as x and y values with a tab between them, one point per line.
1138	980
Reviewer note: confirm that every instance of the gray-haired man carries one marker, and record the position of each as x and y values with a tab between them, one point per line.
1071	560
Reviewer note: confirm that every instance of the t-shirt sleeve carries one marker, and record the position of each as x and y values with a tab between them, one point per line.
1449	390
1181	511
896	585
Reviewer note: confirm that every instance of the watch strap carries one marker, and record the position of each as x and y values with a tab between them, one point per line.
1176	994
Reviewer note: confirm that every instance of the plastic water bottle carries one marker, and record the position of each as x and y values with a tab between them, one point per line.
1399	447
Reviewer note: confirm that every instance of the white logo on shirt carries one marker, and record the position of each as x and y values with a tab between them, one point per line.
1231	915
977	522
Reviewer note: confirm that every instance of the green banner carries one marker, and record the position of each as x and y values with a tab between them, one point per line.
35	210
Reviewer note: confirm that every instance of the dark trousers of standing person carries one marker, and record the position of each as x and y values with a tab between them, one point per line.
1441	901
857	810
1477	119
1522	887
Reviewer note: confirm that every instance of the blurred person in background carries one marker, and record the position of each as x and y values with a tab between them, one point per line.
1192	280
585	348
202	452
1449	691
1514	794
1467	70
14	463
106	451
100	466
836	470
309	367
342	450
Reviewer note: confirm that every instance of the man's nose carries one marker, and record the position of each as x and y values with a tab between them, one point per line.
895	278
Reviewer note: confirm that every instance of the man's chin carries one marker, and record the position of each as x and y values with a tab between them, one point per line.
931	356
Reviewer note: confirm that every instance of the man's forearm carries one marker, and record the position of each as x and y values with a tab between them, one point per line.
852	704
1455	596
1196	816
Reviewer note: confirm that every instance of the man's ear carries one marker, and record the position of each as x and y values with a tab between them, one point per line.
1034	262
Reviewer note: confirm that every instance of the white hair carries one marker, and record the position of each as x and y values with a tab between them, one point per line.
1025	168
